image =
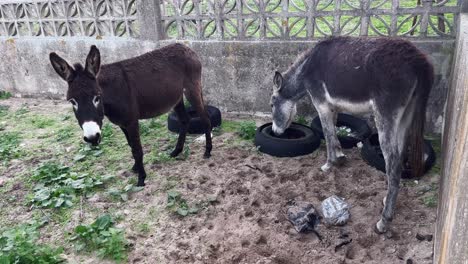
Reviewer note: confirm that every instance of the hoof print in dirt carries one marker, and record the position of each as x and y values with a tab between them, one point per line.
297	140
424	237
195	125
335	211
303	216
372	154
350	130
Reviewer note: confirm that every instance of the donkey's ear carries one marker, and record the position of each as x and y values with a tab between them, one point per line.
93	61
278	80
63	69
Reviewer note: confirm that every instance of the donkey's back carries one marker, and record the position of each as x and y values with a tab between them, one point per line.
360	69
154	78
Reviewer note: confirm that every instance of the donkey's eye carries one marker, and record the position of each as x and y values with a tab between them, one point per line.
74	103
96	100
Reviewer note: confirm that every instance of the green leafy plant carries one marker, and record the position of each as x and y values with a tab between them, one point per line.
343	131
124	193
56	186
4	110
19	245
86	151
246	130
42	122
147	127
5	95
9	146
301	120
103	237
64	133
23	110
179	205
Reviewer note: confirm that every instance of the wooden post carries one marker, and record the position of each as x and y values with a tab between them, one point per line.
451	238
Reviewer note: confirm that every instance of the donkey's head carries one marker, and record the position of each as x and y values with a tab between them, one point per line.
83	92
283	104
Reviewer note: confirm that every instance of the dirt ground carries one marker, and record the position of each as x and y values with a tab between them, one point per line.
244	196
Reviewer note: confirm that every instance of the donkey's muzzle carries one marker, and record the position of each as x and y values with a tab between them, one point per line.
93	140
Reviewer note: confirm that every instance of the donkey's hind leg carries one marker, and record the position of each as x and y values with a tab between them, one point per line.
335	155
194	96
184	120
392	138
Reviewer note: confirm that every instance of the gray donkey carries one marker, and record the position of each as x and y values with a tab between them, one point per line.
388	77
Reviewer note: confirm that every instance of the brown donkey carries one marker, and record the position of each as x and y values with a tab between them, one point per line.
138	88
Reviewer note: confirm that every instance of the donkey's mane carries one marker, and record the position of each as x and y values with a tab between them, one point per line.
306	54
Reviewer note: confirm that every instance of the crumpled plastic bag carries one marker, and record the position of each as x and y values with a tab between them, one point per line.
303	216
335	210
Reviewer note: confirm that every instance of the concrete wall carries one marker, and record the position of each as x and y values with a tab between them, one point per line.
237	75
451	240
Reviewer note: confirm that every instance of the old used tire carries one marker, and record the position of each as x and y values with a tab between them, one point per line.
372	154
195	125
358	126
297	140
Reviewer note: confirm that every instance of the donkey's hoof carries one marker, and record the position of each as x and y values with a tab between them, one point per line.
340	160
175	153
206	155
141	184
326	167
380	227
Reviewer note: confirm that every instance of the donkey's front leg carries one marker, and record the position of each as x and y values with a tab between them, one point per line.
132	133
334	154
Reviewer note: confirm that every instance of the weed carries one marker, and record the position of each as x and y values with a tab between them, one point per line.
148	127
125	192
107	131
301	120
9	146
56	186
246	130
159	156
19	245
42	122
179	205
64	133
5	95
86	151
343	131
103	237
229	126
4	110
23	110
430	201
143	228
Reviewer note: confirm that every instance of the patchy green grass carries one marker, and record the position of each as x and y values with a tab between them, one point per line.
9	146
19	244
430	200
101	236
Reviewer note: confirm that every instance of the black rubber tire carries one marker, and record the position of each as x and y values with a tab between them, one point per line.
195	124
372	154
357	125
307	141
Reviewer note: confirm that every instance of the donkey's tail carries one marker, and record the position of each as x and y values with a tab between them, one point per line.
425	73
